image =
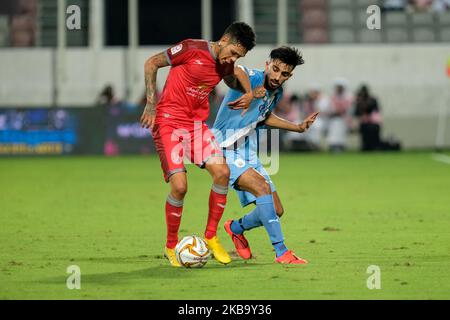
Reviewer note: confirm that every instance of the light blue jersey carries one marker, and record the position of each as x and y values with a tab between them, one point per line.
238	135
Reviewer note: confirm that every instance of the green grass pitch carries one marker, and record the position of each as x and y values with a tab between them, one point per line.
343	213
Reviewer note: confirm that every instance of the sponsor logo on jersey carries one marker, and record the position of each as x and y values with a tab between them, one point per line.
197	92
202	86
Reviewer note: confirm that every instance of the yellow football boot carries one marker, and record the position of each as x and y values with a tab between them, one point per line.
170	255
219	252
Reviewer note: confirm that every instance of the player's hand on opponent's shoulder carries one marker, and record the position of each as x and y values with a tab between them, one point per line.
302	127
243	102
148	117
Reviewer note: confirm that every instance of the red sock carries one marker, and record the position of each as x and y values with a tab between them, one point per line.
174	208
217	202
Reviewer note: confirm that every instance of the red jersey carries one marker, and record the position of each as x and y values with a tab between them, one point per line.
194	73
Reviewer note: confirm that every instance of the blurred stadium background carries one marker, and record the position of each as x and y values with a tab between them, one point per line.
81	91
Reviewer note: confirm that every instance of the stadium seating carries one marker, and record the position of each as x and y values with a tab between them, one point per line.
33	22
395	19
23	30
340	17
445	34
315	35
342	35
423	34
48	23
443	18
394	35
340	4
344	21
313	4
4	31
370	36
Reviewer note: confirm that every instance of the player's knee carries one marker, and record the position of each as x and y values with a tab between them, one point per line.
279	211
262	188
222	174
179	189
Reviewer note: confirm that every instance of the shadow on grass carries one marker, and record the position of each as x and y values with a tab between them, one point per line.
161	271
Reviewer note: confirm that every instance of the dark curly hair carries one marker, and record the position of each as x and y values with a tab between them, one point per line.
242	33
288	55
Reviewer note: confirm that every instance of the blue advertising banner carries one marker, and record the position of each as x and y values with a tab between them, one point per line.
37	131
104	129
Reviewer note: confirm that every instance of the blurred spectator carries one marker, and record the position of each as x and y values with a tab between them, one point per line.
24	24
94	129
441	5
428	5
339	123
290	110
315	101
368	113
281	110
109	108
413	6
420	5
107	96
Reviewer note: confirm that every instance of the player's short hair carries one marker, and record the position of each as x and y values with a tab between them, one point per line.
242	33
288	55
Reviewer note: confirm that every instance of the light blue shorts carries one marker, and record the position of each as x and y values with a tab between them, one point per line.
238	163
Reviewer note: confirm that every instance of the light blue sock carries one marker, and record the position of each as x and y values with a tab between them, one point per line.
280	248
269	218
247	222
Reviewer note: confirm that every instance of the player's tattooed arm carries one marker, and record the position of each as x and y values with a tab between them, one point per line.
240	81
280	123
151	69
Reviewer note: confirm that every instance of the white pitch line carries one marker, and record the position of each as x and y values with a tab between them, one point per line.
441	158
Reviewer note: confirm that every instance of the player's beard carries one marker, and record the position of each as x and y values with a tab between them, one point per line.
268	84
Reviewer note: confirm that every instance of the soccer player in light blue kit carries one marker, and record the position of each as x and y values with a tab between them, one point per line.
237	135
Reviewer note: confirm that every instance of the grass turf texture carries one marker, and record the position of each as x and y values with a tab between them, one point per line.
342	213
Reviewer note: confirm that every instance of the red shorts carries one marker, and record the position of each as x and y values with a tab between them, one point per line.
175	142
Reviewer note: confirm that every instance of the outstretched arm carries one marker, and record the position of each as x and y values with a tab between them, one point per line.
280	123
151	69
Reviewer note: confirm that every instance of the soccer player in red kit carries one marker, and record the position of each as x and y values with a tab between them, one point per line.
178	119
